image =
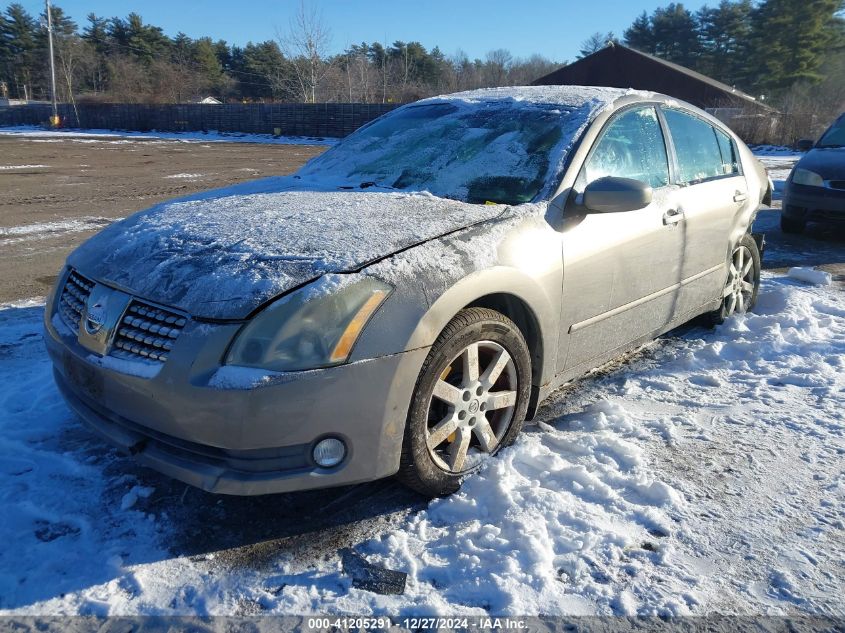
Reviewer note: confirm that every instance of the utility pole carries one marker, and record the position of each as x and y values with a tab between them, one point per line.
54	120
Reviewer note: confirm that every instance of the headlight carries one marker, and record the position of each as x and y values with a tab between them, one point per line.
807	177
313	327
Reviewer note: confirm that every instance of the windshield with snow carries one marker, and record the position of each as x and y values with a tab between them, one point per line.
834	137
487	152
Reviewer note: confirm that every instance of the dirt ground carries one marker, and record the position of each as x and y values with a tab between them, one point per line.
56	192
70	188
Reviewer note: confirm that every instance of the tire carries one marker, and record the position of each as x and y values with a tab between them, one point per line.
461	406
739	293
792	225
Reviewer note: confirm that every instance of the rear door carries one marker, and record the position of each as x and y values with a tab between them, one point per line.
712	191
621	270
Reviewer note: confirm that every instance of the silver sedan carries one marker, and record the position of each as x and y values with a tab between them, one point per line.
404	302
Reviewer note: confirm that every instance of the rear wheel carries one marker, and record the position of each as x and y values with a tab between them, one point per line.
470	401
739	293
792	225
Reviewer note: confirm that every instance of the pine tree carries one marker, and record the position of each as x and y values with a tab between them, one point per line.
6	57
790	41
261	70
676	35
224	54
206	64
724	34
143	41
96	34
21	33
640	35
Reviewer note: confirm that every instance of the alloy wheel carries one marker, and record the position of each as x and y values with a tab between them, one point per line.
471	407
739	289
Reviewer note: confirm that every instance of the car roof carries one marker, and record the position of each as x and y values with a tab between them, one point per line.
564	96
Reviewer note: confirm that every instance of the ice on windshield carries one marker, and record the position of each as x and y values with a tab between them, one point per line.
501	152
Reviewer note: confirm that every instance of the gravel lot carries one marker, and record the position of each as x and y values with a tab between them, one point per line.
57	192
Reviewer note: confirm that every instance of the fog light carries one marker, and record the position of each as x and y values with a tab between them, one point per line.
329	452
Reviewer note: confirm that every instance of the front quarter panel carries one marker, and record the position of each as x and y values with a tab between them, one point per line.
519	255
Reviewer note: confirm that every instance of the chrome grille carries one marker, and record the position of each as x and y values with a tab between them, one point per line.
147	332
73	298
837	184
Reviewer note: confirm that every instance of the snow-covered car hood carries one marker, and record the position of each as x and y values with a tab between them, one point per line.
829	163
220	255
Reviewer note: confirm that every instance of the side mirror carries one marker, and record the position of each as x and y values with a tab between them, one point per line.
613	195
804	145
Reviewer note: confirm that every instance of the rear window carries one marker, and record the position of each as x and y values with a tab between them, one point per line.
730	164
697	147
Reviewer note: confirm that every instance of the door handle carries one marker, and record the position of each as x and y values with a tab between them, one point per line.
739	196
672	216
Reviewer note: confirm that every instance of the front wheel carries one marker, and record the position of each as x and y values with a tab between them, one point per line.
470	401
739	293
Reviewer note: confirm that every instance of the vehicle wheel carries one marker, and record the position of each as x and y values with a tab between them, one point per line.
792	225
470	401
740	290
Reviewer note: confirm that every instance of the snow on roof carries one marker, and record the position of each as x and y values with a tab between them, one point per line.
569	96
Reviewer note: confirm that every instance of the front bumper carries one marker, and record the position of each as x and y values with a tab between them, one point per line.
813	203
243	440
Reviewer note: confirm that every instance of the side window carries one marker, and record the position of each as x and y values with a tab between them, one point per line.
632	146
697	147
730	163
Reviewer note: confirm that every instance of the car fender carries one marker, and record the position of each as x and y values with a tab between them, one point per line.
520	257
757	180
499	280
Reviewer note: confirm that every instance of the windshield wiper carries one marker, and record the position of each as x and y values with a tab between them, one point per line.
366	185
372	183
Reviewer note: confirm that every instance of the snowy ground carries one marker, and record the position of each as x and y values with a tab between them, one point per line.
704	474
115	136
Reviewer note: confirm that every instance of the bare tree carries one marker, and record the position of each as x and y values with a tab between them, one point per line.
498	63
75	56
306	44
129	80
595	43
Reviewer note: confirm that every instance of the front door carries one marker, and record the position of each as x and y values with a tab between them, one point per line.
622	271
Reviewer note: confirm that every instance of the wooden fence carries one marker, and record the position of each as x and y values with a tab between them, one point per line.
288	119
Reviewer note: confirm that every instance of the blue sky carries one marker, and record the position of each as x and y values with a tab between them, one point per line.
554	28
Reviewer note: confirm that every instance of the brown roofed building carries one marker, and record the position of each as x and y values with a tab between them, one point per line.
621	67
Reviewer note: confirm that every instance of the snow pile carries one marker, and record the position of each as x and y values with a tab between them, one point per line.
810	276
658	489
703	475
67	526
546	527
